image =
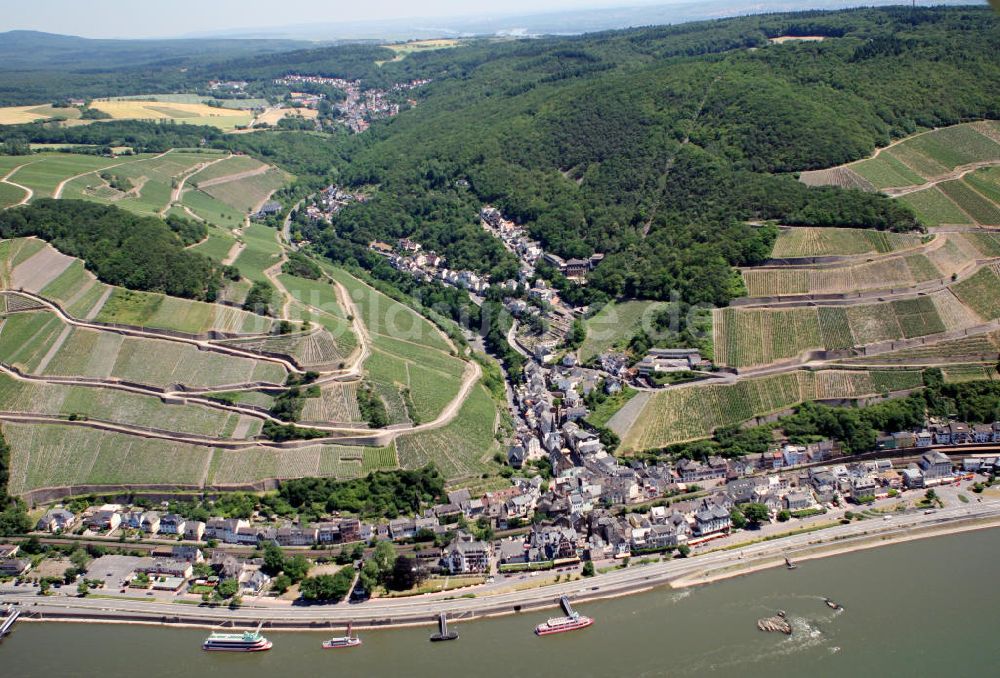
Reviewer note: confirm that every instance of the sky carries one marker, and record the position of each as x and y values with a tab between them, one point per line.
173	18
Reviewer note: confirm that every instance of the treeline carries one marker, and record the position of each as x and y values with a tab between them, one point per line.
121	248
383	494
857	429
13	513
660	160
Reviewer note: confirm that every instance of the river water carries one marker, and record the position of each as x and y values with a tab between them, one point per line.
924	608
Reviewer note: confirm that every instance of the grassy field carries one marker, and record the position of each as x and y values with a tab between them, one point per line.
614	325
247	194
45	171
462	449
816	242
261	253
10	195
225	168
388	317
981	293
934	208
20	115
212	210
220	241
158	311
194	113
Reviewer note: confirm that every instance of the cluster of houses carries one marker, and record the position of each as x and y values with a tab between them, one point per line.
360	106
410	257
331	200
516	239
10	564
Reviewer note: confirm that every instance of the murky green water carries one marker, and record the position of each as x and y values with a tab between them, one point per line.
927	608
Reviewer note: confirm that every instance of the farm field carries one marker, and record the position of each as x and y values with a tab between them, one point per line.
45	171
195	113
116	406
388	317
683	414
241	467
261	253
211	210
218	244
247	194
981	292
887	273
338	403
20	115
747	337
158	311
960	374
462	449
54	455
615	324
311	350
10	195
232	165
934	208
917	159
820	242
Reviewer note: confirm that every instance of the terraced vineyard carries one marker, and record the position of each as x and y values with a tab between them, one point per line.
247	194
614	324
464	448
242	467
960	374
310	350
822	242
337	404
978	347
981	292
40	343
746	337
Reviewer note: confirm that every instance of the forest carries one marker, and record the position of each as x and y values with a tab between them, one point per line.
121	248
386	494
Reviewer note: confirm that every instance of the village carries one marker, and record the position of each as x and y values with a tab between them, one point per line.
360	106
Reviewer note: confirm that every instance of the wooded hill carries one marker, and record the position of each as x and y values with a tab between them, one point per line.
656	146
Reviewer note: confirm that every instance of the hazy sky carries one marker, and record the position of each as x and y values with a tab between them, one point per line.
170	18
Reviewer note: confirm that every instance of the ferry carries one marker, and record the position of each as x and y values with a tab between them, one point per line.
248	641
563	624
338	642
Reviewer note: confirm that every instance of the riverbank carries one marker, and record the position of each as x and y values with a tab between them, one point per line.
389	613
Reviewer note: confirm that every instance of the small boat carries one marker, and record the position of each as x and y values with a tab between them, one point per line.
248	641
443	633
789	564
832	605
338	642
563	624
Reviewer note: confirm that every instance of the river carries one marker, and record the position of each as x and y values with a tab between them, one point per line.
924	608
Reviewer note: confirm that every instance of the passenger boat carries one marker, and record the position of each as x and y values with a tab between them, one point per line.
248	641
338	642
563	624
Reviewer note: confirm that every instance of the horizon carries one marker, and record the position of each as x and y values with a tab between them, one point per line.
386	19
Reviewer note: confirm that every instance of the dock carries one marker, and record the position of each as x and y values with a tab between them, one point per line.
443	632
567	608
8	622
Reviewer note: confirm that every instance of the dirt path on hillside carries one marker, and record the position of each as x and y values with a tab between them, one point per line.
62	184
208	183
28	193
955	174
178	191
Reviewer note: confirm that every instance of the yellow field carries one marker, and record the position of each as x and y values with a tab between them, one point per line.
418	45
20	115
159	110
272	115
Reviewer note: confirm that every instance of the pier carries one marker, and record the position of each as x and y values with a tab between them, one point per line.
443	632
567	608
8	623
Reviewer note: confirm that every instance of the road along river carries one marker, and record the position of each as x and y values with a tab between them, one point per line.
920	608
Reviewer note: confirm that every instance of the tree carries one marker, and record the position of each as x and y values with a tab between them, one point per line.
297	567
274	559
404	574
227	588
737	517
588	569
82	589
328	587
756	514
684	550
281	583
384	556
784	516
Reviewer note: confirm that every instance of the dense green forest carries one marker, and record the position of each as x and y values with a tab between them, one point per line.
386	494
121	248
654	146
